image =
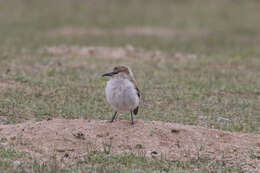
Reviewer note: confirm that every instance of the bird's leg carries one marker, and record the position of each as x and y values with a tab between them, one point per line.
114	117
132	118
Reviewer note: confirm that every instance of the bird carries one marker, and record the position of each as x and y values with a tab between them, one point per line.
122	92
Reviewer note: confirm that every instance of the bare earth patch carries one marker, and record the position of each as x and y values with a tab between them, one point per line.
116	53
161	32
7	84
70	140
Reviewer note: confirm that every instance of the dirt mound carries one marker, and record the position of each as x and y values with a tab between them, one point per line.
74	138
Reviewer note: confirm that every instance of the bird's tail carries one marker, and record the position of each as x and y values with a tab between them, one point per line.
136	110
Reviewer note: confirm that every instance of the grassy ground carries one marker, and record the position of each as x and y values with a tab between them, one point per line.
12	161
220	89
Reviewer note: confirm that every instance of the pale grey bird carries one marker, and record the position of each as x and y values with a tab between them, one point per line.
122	92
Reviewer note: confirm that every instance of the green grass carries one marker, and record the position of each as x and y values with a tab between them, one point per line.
220	89
7	157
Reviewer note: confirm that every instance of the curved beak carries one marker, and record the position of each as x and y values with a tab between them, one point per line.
109	74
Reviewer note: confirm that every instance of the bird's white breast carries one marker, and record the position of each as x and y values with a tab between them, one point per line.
122	95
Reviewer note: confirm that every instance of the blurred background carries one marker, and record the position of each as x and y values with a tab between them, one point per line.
196	62
228	27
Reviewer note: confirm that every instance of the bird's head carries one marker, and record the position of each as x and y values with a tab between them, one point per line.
120	71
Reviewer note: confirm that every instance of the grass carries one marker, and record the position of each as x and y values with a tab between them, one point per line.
220	89
8	156
103	162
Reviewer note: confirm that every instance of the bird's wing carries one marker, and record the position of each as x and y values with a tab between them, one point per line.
136	88
138	93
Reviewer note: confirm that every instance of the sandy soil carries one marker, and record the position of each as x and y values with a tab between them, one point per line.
69	140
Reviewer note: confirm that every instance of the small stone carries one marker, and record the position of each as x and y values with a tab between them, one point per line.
17	164
154	152
103	135
139	146
79	135
175	131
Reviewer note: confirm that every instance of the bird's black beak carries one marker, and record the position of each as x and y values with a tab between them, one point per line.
110	74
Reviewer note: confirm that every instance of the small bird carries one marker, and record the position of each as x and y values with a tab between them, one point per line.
122	92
